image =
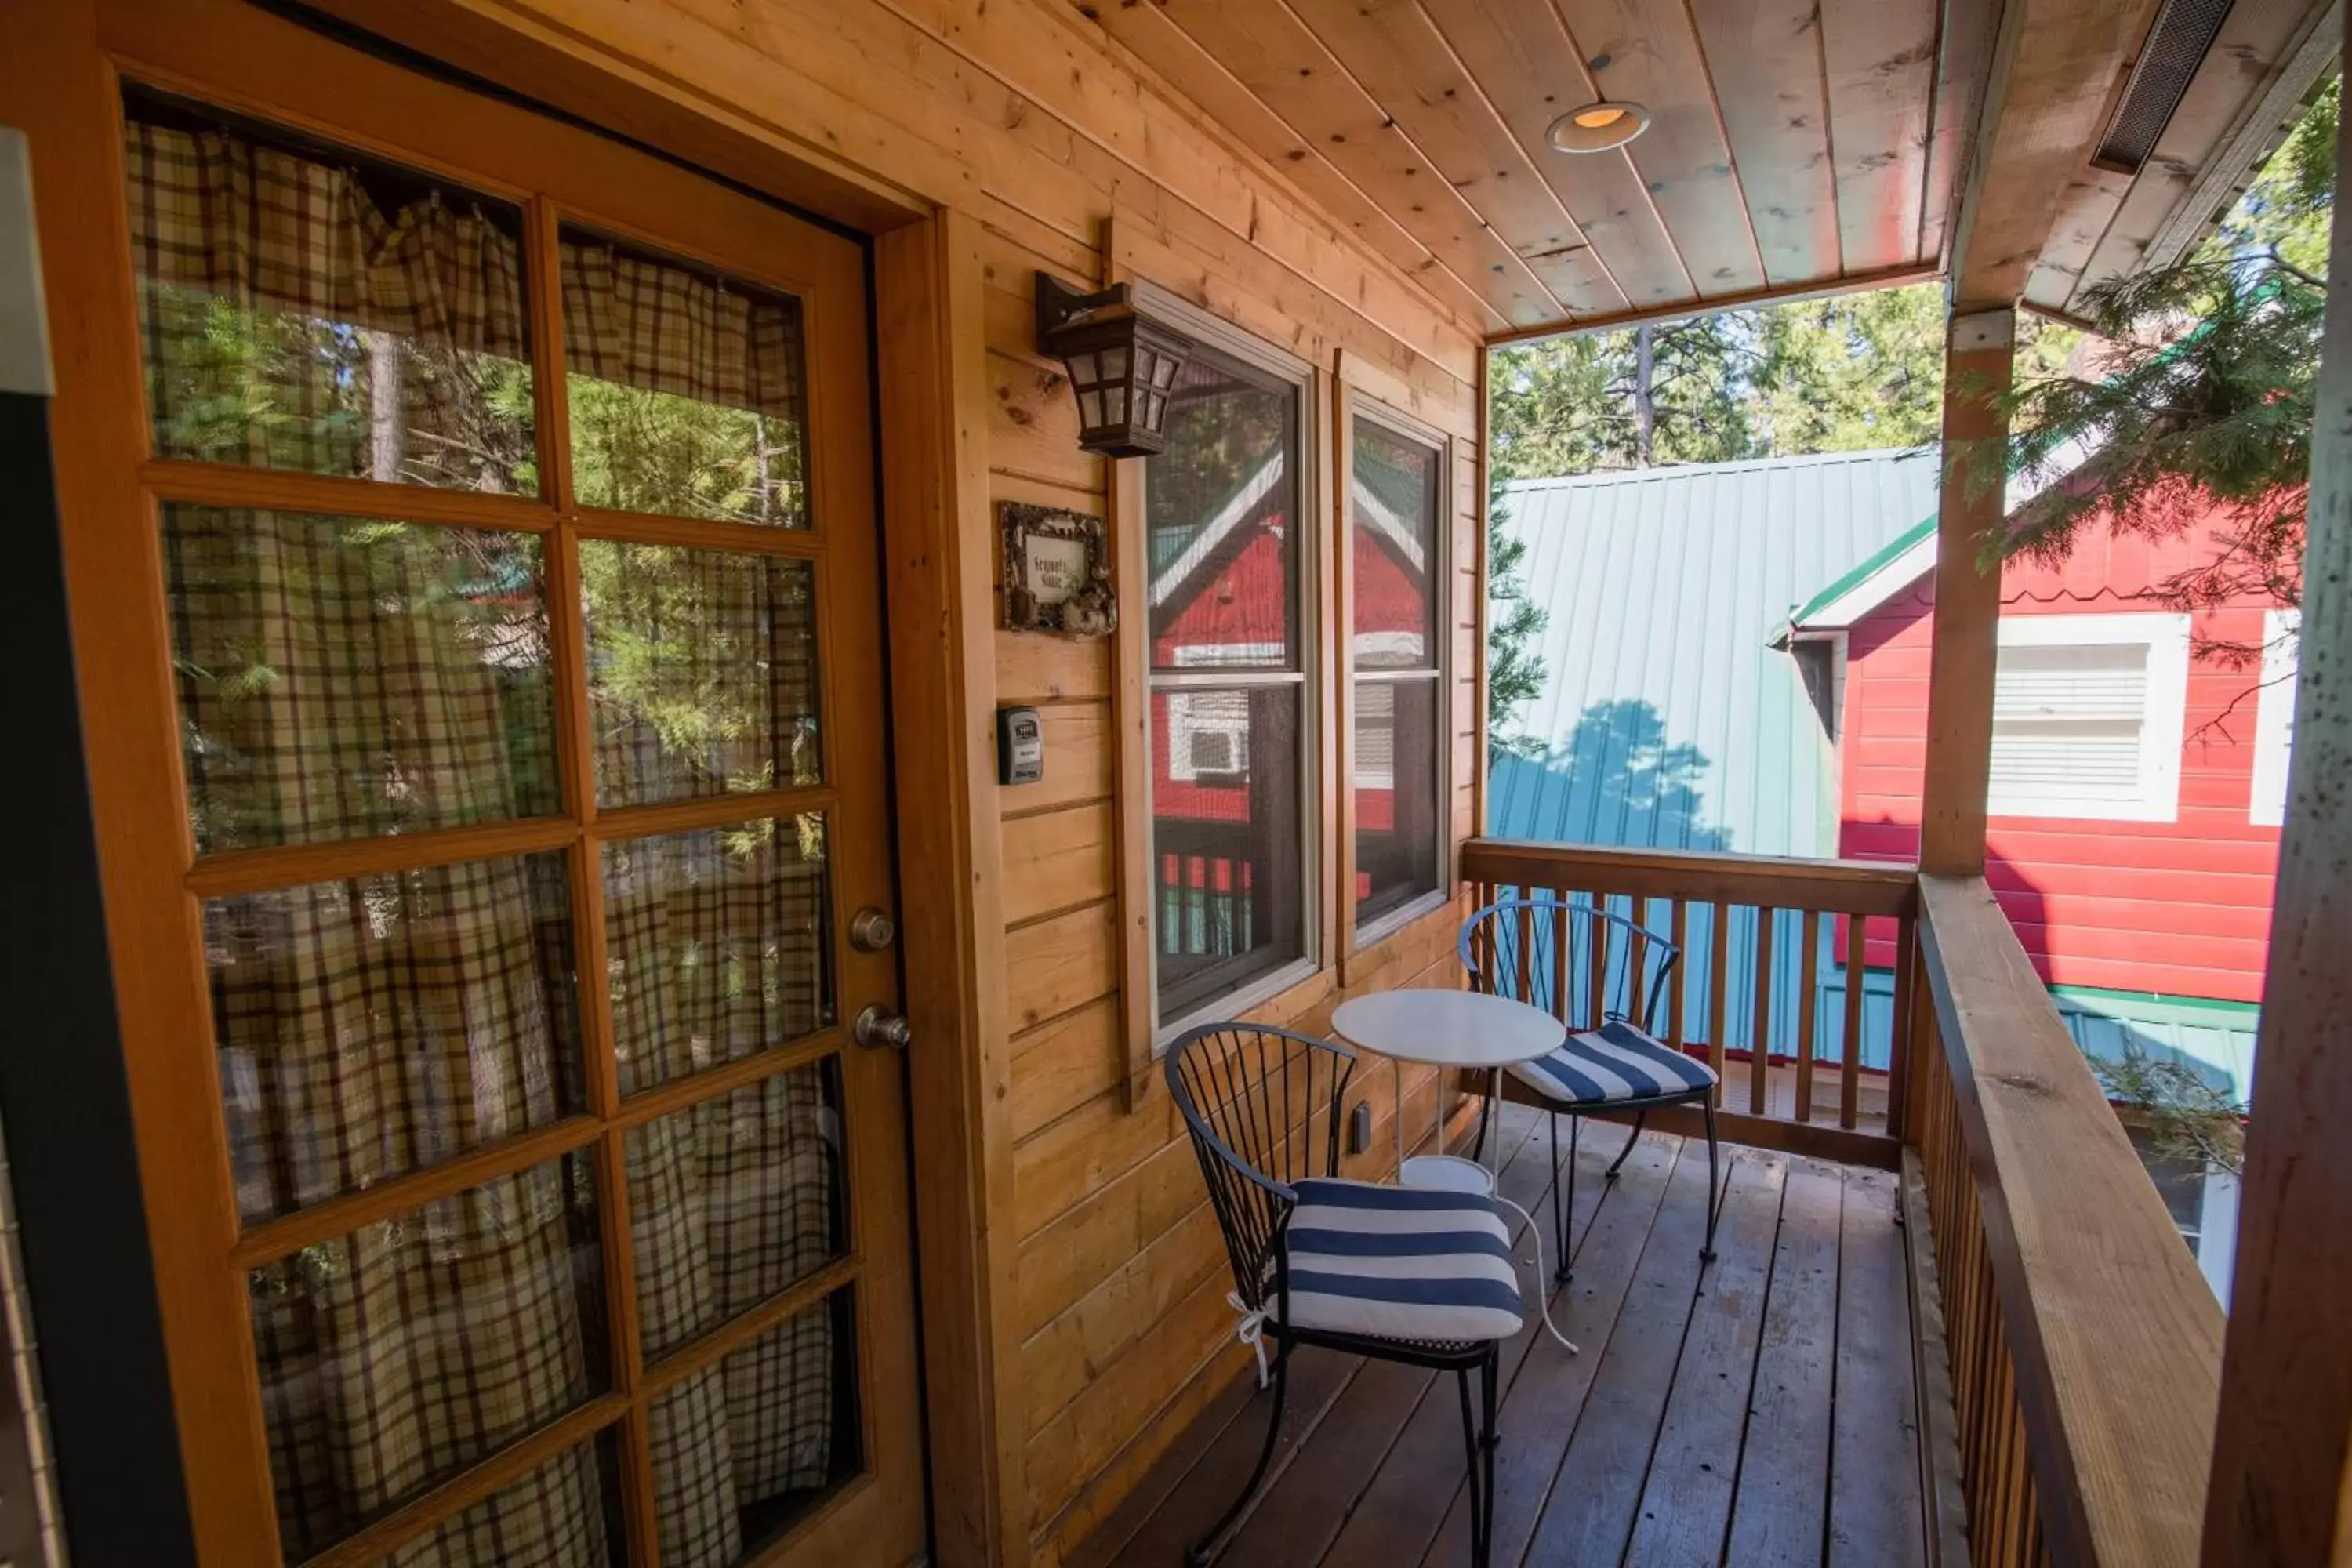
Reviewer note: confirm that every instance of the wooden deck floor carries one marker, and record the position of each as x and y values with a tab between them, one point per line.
1760	1413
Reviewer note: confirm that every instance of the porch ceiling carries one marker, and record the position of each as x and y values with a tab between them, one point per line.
1796	145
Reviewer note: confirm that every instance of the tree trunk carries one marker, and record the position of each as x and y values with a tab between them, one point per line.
387	420
1645	407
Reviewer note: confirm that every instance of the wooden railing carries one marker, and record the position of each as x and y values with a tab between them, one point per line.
1806	1033
2084	1347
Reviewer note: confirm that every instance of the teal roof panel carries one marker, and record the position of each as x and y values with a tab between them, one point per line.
1667	718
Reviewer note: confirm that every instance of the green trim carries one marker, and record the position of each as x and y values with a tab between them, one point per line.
1886	555
2156	1007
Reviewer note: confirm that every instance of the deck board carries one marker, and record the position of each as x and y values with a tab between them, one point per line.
1777	1516
1686	1504
1762	1410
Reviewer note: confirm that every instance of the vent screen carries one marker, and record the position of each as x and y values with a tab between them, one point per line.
2175	47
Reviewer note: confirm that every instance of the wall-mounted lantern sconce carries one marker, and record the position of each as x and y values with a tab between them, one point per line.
1122	365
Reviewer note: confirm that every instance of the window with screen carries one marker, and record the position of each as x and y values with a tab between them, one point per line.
1395	486
1225	508
2087	714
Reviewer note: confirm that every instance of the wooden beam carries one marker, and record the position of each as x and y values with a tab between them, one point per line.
2283	1443
1976	365
1894	278
939	554
2058	66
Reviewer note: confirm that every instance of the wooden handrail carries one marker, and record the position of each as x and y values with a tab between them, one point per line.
1776	882
2101	1355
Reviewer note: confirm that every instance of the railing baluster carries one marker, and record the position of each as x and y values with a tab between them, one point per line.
1898	1065
1681	939
1808	983
1850	1085
1719	1028
1596	964
1760	1060
1524	959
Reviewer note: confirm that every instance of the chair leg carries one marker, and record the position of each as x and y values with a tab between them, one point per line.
1485	1115
1204	1551
1472	1443
1561	1209
1615	1165
1494	1440
1714	1196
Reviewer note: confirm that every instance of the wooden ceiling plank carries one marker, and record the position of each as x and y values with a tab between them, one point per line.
2256	40
1880	61
1519	55
1964	57
2060	64
1159	46
1268	50
2083	214
1399	58
1765	63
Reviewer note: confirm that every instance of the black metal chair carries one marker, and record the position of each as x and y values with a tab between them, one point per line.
1599	973
1362	1268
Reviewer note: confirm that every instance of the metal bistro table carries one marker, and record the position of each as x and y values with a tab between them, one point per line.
1465	1029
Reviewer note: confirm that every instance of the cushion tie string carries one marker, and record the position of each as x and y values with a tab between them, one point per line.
1251	1330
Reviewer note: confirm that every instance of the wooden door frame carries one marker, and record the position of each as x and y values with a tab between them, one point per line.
931	408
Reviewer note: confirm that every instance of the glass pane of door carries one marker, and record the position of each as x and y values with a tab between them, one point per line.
685	388
309	309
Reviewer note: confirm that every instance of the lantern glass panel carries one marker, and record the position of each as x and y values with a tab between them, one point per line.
1115	402
1089	409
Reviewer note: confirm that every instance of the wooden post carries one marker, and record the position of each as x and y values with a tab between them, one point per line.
2281	1448
1977	347
929	314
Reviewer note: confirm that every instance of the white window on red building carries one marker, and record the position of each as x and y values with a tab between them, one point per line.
2274	716
2087	716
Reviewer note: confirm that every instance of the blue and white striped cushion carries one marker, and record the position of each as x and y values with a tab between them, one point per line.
1615	1062
1399	1263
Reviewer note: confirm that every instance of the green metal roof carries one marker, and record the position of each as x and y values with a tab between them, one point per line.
1668	718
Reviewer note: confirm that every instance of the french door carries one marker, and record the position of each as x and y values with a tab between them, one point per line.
504	579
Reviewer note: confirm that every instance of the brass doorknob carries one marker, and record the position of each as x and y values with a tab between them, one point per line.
878	1030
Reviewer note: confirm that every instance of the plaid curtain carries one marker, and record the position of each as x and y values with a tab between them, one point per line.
376	1026
643	322
714	940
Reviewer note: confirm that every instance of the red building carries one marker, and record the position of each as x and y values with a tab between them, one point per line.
2137	772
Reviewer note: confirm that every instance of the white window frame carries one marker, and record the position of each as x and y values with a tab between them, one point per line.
2274	716
2162	721
1439	670
1312	438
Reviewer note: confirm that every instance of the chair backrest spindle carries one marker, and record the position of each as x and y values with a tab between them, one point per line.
1257	1102
1582	962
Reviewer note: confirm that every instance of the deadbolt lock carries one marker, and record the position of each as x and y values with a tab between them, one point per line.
872	929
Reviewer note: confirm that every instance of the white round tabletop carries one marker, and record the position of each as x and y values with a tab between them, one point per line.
1448	1028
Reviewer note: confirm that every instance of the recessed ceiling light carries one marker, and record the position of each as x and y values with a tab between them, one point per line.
1598	127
